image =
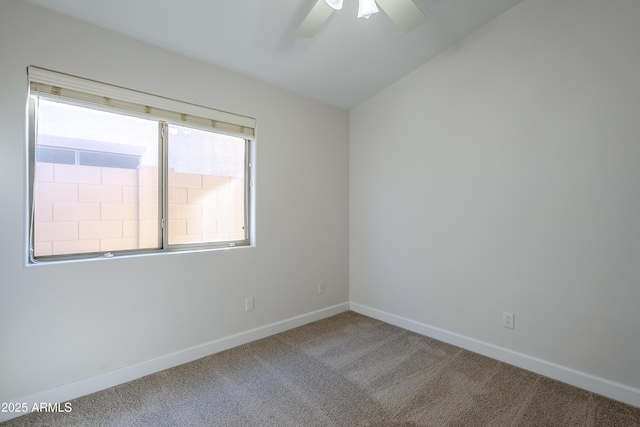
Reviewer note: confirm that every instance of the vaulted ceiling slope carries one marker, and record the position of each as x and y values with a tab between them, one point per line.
348	61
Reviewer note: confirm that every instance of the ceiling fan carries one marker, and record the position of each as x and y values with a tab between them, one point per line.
403	12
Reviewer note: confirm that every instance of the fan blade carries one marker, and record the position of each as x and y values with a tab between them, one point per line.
403	12
315	19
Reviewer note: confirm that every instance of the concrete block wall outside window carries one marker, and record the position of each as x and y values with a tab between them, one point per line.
83	209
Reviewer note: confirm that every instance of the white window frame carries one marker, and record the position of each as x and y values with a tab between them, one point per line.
101	96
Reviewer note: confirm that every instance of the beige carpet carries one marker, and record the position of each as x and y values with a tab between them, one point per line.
348	370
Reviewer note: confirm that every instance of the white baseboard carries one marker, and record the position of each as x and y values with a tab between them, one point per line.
100	382
601	386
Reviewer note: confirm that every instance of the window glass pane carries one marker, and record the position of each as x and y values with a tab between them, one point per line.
55	155
206	187
108	160
96	181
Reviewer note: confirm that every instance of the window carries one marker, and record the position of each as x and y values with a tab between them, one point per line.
114	171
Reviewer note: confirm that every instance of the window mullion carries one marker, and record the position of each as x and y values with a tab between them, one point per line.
163	182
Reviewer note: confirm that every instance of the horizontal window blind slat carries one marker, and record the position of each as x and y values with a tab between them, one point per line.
54	86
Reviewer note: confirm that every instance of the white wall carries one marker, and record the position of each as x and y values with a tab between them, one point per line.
504	176
66	322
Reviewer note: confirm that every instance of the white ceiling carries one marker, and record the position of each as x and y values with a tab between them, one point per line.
348	61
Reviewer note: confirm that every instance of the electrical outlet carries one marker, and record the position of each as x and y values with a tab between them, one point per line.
508	320
321	288
248	304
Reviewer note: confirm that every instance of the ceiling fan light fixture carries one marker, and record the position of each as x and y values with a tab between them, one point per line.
336	4
367	8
